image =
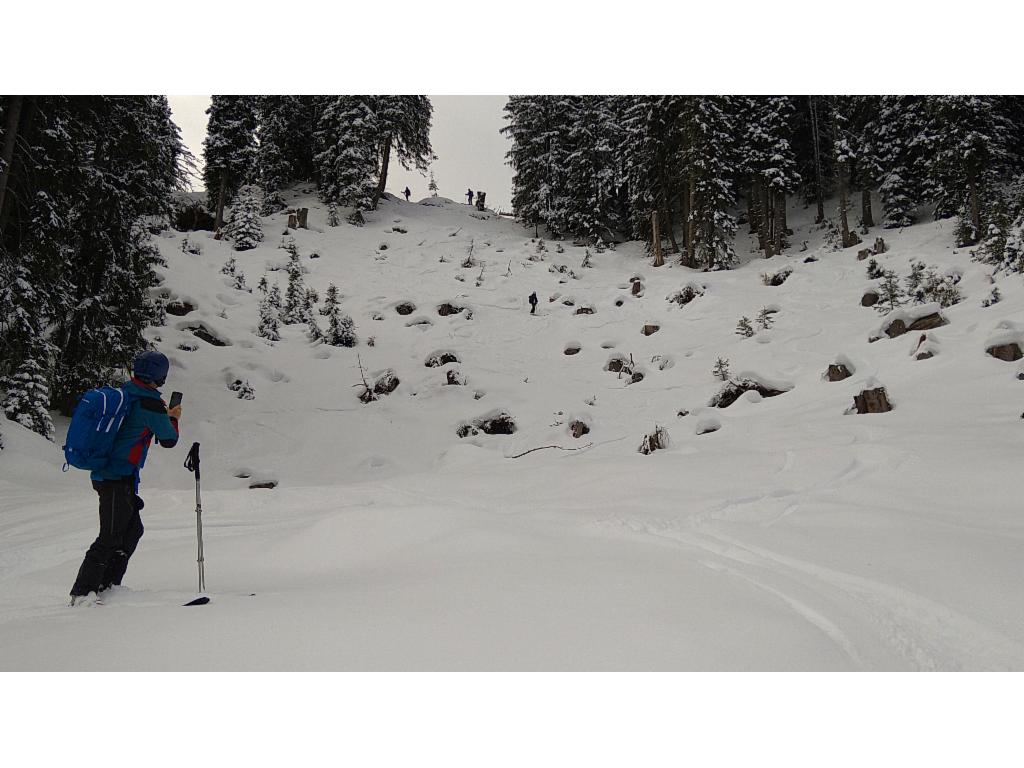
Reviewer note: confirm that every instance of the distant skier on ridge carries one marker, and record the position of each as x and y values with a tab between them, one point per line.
533	303
407	193
469	196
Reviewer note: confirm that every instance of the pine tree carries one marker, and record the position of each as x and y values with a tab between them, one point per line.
269	327
273	166
341	331
295	294
721	369
229	150
744	328
590	162
403	127
533	131
83	174
770	161
651	155
28	397
974	155
891	294
246	228
765	319
330	300
899	139
347	150
709	158
432	186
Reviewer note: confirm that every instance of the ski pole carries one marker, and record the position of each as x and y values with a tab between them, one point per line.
192	465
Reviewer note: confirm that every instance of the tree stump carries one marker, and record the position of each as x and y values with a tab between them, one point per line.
302	215
293	221
649	329
872	401
880	246
638	288
1008	352
837	372
863	253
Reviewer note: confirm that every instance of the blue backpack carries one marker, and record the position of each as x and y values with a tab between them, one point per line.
94	425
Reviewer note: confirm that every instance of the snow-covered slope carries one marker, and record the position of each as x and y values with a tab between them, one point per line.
795	535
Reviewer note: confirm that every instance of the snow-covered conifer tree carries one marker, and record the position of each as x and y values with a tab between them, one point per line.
246	228
229	150
28	397
347	152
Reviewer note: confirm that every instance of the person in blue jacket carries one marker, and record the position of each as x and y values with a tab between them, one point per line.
118	482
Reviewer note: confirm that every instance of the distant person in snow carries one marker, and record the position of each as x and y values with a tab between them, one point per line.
407	193
117	483
469	196
533	303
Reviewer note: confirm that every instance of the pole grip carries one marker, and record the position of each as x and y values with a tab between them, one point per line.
192	460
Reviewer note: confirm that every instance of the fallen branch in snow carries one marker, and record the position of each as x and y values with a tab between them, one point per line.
541	448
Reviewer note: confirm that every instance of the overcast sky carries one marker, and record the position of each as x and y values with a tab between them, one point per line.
470	151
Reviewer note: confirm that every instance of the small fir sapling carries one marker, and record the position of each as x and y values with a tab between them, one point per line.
432	185
765	319
744	328
313	329
586	259
330	300
890	295
341	330
269	327
469	261
993	298
274	298
915	278
262	285
874	271
721	369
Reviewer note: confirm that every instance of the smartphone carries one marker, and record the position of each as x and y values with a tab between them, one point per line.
175	399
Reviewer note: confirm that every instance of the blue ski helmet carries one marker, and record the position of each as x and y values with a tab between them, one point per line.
151	367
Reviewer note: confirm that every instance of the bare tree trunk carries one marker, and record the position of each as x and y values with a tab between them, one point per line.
691	233
10	137
975	210
757	215
659	257
865	208
815	133
670	219
769	249
779	233
385	160
843	205
219	219
751	212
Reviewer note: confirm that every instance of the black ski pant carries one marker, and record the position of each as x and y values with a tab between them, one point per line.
120	530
